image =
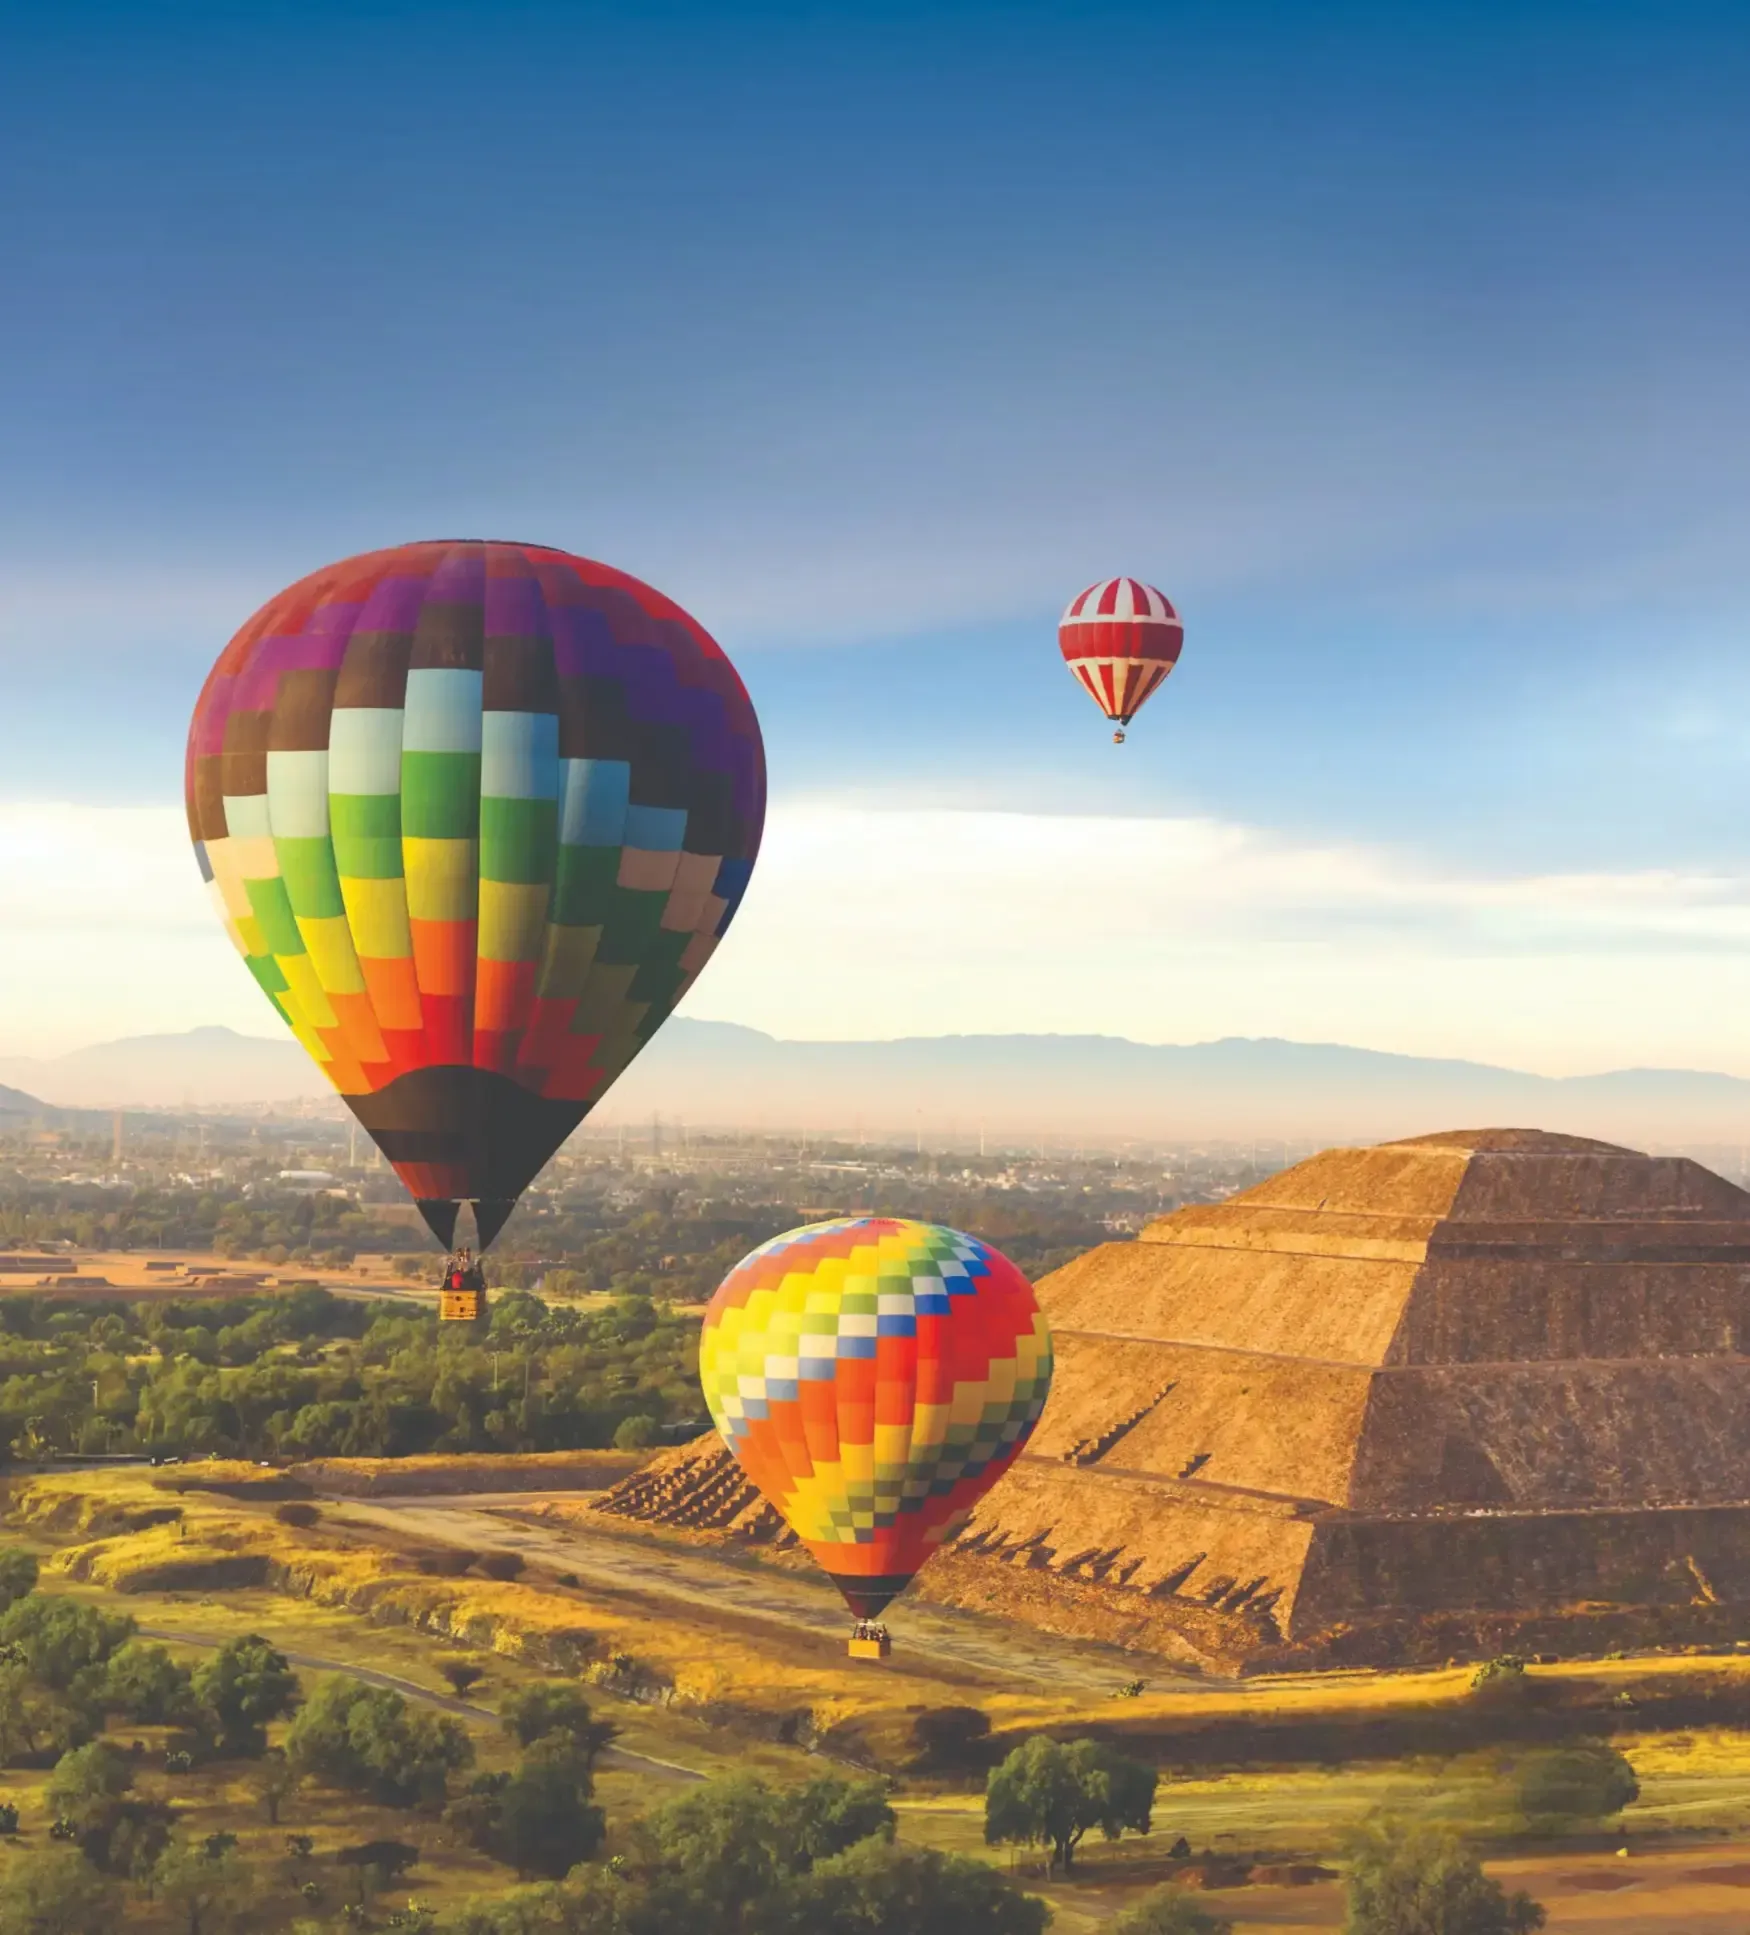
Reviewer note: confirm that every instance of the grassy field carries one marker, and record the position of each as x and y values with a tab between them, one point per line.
152	1545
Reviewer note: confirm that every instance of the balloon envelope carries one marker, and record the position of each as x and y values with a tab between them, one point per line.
475	815
1120	639
874	1377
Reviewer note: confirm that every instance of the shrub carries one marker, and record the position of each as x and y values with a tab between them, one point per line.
636	1433
18	1574
298	1512
1501	1682
88	1796
877	1888
951	1736
461	1675
1573	1787
56	1893
502	1565
547	1707
1404	1877
442	1561
1169	1911
389	1859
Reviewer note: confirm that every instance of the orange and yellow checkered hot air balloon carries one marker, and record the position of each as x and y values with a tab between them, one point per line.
875	1377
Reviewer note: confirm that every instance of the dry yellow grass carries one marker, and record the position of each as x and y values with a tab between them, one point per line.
111	1530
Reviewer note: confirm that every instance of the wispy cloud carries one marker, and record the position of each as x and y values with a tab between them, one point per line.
864	922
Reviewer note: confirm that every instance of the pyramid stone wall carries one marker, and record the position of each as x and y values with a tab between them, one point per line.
1410	1397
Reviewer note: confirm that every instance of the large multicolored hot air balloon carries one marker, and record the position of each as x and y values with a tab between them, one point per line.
874	1377
476	816
1121	638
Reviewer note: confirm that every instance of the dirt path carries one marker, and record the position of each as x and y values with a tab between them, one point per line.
412	1690
1009	1655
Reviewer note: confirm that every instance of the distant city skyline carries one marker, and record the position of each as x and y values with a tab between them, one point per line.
1403	349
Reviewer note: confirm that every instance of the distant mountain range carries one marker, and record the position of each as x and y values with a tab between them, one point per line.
205	1068
1092	1087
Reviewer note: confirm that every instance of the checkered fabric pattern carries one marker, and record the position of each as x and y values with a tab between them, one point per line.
474	806
875	1377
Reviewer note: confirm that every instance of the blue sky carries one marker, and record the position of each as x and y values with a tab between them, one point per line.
1404	347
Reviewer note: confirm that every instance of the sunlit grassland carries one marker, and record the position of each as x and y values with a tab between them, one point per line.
348	1594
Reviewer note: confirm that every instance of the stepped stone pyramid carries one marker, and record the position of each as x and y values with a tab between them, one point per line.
1432	1398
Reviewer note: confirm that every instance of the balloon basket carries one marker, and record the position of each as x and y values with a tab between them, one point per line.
869	1642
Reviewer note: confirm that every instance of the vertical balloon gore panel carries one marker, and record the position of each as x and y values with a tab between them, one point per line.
475	815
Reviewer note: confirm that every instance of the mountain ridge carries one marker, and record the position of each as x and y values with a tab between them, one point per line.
718	1073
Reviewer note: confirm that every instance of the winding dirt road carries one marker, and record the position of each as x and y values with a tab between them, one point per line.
924	1636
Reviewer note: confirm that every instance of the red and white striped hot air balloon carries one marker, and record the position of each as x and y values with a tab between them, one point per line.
1120	638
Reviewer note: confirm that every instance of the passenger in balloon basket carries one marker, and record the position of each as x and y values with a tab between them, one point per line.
870	1640
463	1273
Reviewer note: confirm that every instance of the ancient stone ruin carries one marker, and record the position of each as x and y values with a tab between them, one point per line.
1466	1393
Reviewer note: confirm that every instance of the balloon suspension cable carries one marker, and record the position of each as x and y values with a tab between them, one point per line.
444	1216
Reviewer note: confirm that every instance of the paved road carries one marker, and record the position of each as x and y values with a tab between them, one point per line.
412	1690
923	1634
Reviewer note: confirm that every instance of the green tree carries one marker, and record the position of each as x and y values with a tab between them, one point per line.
554	1706
538	1820
90	1791
64	1642
366	1738
712	1860
57	1892
87	1785
831	1816
877	1888
17	1575
1169	1911
1405	1879
636	1433
1050	1793
34	1720
1570	1787
272	1781
461	1676
143	1683
207	1889
246	1685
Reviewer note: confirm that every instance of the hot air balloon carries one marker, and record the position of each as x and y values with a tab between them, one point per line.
874	1377
475	815
1121	638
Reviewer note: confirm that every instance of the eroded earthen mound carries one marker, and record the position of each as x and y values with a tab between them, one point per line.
1395	1402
